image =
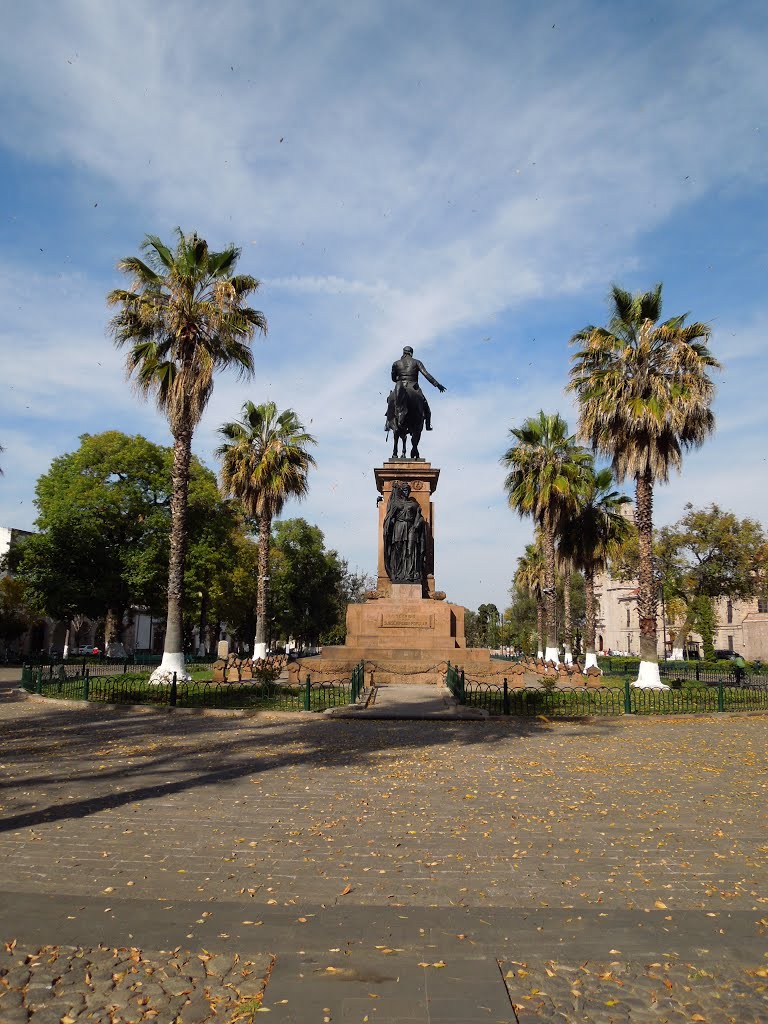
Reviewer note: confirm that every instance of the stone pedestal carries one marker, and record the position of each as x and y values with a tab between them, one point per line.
422	478
406	632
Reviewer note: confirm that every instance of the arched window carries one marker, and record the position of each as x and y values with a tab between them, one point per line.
729	611
628	619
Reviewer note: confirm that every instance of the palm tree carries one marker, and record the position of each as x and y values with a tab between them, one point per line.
565	574
183	318
591	536
264	462
645	396
529	576
546	470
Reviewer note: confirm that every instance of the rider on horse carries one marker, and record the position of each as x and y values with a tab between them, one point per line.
405	373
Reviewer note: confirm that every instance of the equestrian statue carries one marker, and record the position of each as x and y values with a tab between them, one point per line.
407	409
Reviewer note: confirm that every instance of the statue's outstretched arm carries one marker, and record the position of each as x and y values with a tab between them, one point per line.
428	375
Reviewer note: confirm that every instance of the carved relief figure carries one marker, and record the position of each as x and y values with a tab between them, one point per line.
405	542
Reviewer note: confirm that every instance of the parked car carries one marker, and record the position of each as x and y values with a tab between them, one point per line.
89	649
727	655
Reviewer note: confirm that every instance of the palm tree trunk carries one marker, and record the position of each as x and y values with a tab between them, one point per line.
551	652
173	649
590	658
648	676
540	629
260	642
567	618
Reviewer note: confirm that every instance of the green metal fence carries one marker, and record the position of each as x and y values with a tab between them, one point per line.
566	701
136	689
690	671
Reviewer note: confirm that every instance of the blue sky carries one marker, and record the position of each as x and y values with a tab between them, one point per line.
466	179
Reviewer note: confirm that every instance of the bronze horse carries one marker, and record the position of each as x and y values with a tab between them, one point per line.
407	417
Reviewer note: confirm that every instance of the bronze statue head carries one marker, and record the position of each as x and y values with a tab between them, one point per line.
407	351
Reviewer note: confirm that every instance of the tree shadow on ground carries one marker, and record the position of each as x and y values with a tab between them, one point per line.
153	753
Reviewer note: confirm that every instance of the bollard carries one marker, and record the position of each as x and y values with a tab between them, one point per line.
506	697
308	694
172	696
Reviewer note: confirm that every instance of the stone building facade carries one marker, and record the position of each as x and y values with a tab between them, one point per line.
741	626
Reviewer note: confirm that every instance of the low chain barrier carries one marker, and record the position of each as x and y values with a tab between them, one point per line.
76	669
136	689
553	701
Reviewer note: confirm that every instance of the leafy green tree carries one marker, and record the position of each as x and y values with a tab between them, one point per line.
645	396
590	537
546	471
232	594
264	461
530	577
183	318
706	555
488	626
104	530
520	620
17	613
307	581
471	633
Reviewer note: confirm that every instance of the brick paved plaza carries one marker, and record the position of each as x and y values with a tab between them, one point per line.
601	870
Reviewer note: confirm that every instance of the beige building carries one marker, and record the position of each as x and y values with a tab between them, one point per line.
742	626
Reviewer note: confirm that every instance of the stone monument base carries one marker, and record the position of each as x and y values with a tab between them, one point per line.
405	620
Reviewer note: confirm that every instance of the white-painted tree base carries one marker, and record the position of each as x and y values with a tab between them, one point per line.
590	660
172	662
259	651
552	654
540	654
677	654
568	658
648	677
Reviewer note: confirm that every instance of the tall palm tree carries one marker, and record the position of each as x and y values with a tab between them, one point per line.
591	536
183	318
565	574
546	470
264	462
529	576
645	395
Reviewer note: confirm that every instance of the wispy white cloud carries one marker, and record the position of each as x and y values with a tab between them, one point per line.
393	178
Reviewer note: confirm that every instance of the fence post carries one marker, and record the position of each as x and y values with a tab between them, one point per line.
506	697
39	682
696	668
172	697
125	667
86	684
720	695
462	692
627	697
308	693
